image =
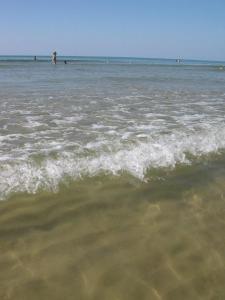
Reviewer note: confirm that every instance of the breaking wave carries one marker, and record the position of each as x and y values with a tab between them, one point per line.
136	159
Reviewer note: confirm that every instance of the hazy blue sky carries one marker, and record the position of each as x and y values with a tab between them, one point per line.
145	28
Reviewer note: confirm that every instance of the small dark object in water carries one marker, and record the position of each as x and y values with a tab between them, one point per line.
35	58
54	54
65	62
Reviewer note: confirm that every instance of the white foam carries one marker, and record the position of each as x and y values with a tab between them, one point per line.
32	122
164	151
126	135
147	127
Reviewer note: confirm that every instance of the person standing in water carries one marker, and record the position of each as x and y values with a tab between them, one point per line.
54	57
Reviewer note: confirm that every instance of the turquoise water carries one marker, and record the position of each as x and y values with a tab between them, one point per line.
112	178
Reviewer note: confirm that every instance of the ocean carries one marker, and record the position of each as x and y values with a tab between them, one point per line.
112	178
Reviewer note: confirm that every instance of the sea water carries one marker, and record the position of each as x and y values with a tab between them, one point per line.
112	178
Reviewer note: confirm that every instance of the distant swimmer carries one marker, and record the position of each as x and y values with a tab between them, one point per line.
35	58
54	57
65	62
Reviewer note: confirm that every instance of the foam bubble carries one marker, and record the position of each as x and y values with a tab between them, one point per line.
164	151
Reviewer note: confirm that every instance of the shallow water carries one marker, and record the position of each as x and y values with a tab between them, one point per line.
81	119
112	179
117	238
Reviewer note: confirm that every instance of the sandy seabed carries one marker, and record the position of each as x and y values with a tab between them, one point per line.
117	238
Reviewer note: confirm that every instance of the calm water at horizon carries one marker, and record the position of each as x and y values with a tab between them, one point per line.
112	178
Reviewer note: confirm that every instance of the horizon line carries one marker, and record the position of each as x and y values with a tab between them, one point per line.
107	56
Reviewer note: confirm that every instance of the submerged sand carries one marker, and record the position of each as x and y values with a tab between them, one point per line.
117	238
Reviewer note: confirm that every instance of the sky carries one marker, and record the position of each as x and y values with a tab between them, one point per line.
192	29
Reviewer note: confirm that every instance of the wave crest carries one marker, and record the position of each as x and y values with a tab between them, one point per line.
164	151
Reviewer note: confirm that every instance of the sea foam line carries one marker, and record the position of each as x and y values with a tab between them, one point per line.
164	151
